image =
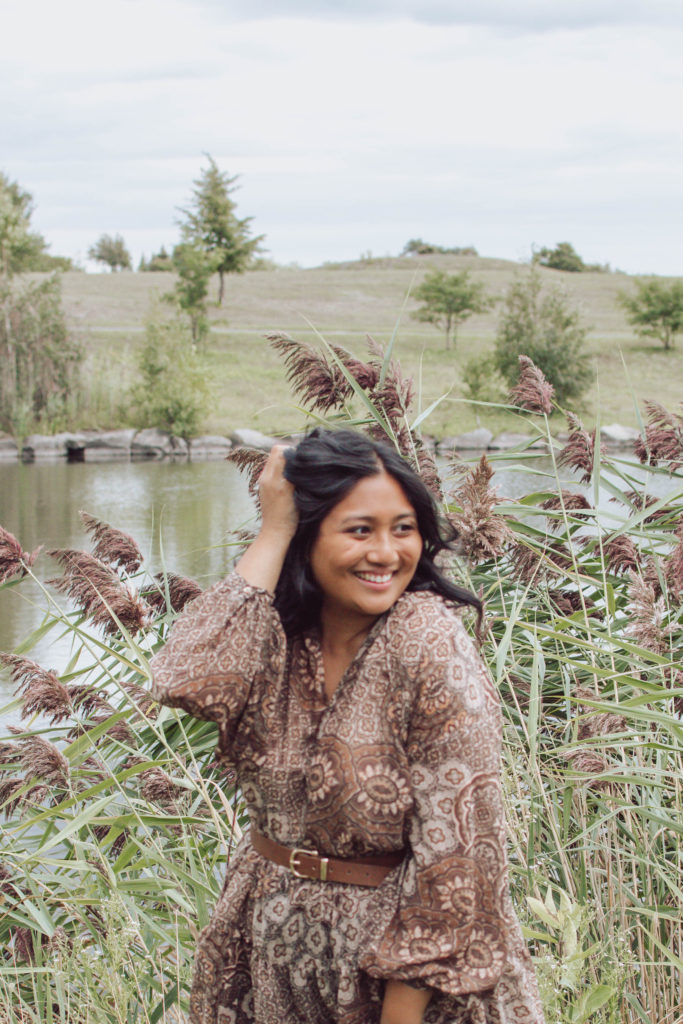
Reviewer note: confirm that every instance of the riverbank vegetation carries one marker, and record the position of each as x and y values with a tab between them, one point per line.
120	823
108	313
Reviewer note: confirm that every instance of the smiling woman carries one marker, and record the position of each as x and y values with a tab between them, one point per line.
365	733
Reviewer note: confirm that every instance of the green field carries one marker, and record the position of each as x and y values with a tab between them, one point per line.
345	302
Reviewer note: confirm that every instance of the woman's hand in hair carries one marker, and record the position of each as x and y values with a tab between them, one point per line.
278	509
262	562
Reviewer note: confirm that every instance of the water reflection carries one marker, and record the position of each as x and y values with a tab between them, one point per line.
180	514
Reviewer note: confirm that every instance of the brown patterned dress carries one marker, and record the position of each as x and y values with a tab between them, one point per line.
406	754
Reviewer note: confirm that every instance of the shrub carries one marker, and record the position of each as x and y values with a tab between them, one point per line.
543	326
172	390
39	360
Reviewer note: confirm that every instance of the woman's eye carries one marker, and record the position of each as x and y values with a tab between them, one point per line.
358	531
405	528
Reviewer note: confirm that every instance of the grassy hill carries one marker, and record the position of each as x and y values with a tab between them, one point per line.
346	302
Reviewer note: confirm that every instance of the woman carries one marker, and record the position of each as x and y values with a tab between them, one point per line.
372	886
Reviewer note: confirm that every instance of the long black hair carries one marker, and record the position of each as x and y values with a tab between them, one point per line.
323	468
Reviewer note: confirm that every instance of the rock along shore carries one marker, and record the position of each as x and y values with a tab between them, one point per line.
152	444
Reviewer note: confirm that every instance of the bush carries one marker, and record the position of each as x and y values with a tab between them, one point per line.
39	361
544	327
172	391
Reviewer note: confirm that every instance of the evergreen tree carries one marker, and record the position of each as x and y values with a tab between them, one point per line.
211	224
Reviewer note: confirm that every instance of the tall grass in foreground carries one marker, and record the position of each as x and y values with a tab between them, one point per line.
119	822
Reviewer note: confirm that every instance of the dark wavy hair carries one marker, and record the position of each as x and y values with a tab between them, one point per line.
323	468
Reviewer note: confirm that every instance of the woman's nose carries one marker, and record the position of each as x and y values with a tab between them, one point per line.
382	548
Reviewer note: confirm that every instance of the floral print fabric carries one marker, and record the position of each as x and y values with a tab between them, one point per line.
405	755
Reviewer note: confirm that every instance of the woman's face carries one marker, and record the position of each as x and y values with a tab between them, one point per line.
366	551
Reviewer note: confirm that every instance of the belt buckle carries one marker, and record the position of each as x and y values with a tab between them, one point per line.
298	852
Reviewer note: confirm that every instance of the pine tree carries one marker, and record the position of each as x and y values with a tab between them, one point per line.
211	224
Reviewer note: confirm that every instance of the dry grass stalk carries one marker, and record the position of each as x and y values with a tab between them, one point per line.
569	501
531	565
250	461
42	760
640	501
532	391
647	612
159	788
321	384
13	560
590	763
663	441
579	451
597	723
481	532
567	602
42	691
112	546
181	590
87	699
621	554
673	566
119	730
99	592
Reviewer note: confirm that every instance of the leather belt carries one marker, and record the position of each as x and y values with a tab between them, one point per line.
369	871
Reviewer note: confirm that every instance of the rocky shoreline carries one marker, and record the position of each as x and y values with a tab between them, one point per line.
153	445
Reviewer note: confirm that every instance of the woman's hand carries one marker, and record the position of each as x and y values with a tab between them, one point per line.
404	1004
278	509
261	564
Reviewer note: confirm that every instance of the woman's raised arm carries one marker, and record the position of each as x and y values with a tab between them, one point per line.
262	562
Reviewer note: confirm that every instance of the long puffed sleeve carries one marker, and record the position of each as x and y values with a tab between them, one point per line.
226	644
453	928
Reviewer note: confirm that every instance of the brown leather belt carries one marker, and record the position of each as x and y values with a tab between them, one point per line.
309	864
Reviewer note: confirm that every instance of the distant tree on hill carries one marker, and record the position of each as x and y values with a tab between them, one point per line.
448	300
111	251
159	261
564	257
20	248
656	309
544	327
210	223
417	247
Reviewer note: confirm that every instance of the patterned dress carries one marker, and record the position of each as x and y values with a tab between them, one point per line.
406	754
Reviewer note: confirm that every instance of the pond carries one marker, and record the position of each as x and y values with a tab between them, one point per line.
180	513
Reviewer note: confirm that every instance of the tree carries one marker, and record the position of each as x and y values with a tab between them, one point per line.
171	390
158	262
194	267
111	250
656	309
449	299
565	257
20	248
212	225
39	362
544	327
418	247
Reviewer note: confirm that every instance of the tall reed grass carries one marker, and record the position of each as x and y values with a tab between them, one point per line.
119	821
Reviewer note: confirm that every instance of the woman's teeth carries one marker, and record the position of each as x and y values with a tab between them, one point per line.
375	577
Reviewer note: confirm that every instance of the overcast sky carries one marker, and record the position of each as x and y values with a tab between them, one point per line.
354	124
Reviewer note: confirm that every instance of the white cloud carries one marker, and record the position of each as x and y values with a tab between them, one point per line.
354	133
